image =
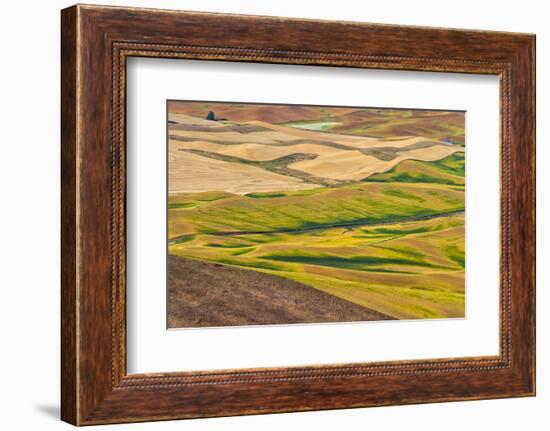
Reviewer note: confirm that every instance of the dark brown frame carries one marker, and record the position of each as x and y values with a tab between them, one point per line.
96	41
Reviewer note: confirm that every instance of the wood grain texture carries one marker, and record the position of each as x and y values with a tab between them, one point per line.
69	397
96	41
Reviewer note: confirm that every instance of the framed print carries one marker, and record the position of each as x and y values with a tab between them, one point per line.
265	218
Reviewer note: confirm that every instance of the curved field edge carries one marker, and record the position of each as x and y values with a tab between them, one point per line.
363	204
203	294
408	270
366	203
449	170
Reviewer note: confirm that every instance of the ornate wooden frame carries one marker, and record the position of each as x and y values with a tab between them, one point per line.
96	41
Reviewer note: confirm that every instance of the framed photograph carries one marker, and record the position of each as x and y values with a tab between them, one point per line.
264	215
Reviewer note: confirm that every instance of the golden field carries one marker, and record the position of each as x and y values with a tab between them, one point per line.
374	219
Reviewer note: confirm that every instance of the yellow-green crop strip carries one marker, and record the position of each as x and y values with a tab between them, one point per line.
395	247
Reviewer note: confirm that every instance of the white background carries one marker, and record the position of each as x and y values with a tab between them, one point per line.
29	232
151	348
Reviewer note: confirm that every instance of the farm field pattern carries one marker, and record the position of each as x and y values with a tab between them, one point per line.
354	209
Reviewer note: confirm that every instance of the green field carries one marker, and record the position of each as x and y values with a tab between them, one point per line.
447	171
390	246
365	204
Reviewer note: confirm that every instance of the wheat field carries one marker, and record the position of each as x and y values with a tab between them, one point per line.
363	205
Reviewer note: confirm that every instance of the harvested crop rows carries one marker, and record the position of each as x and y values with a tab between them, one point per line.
300	194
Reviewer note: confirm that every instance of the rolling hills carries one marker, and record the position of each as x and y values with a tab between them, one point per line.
364	204
197	147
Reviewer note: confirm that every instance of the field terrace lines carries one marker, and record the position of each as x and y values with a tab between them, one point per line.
339	157
365	122
191	173
256	152
315	208
445	171
278	165
356	166
242	112
366	205
403	269
176	239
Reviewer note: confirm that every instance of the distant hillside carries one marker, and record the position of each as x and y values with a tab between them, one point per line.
254	112
375	122
445	126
